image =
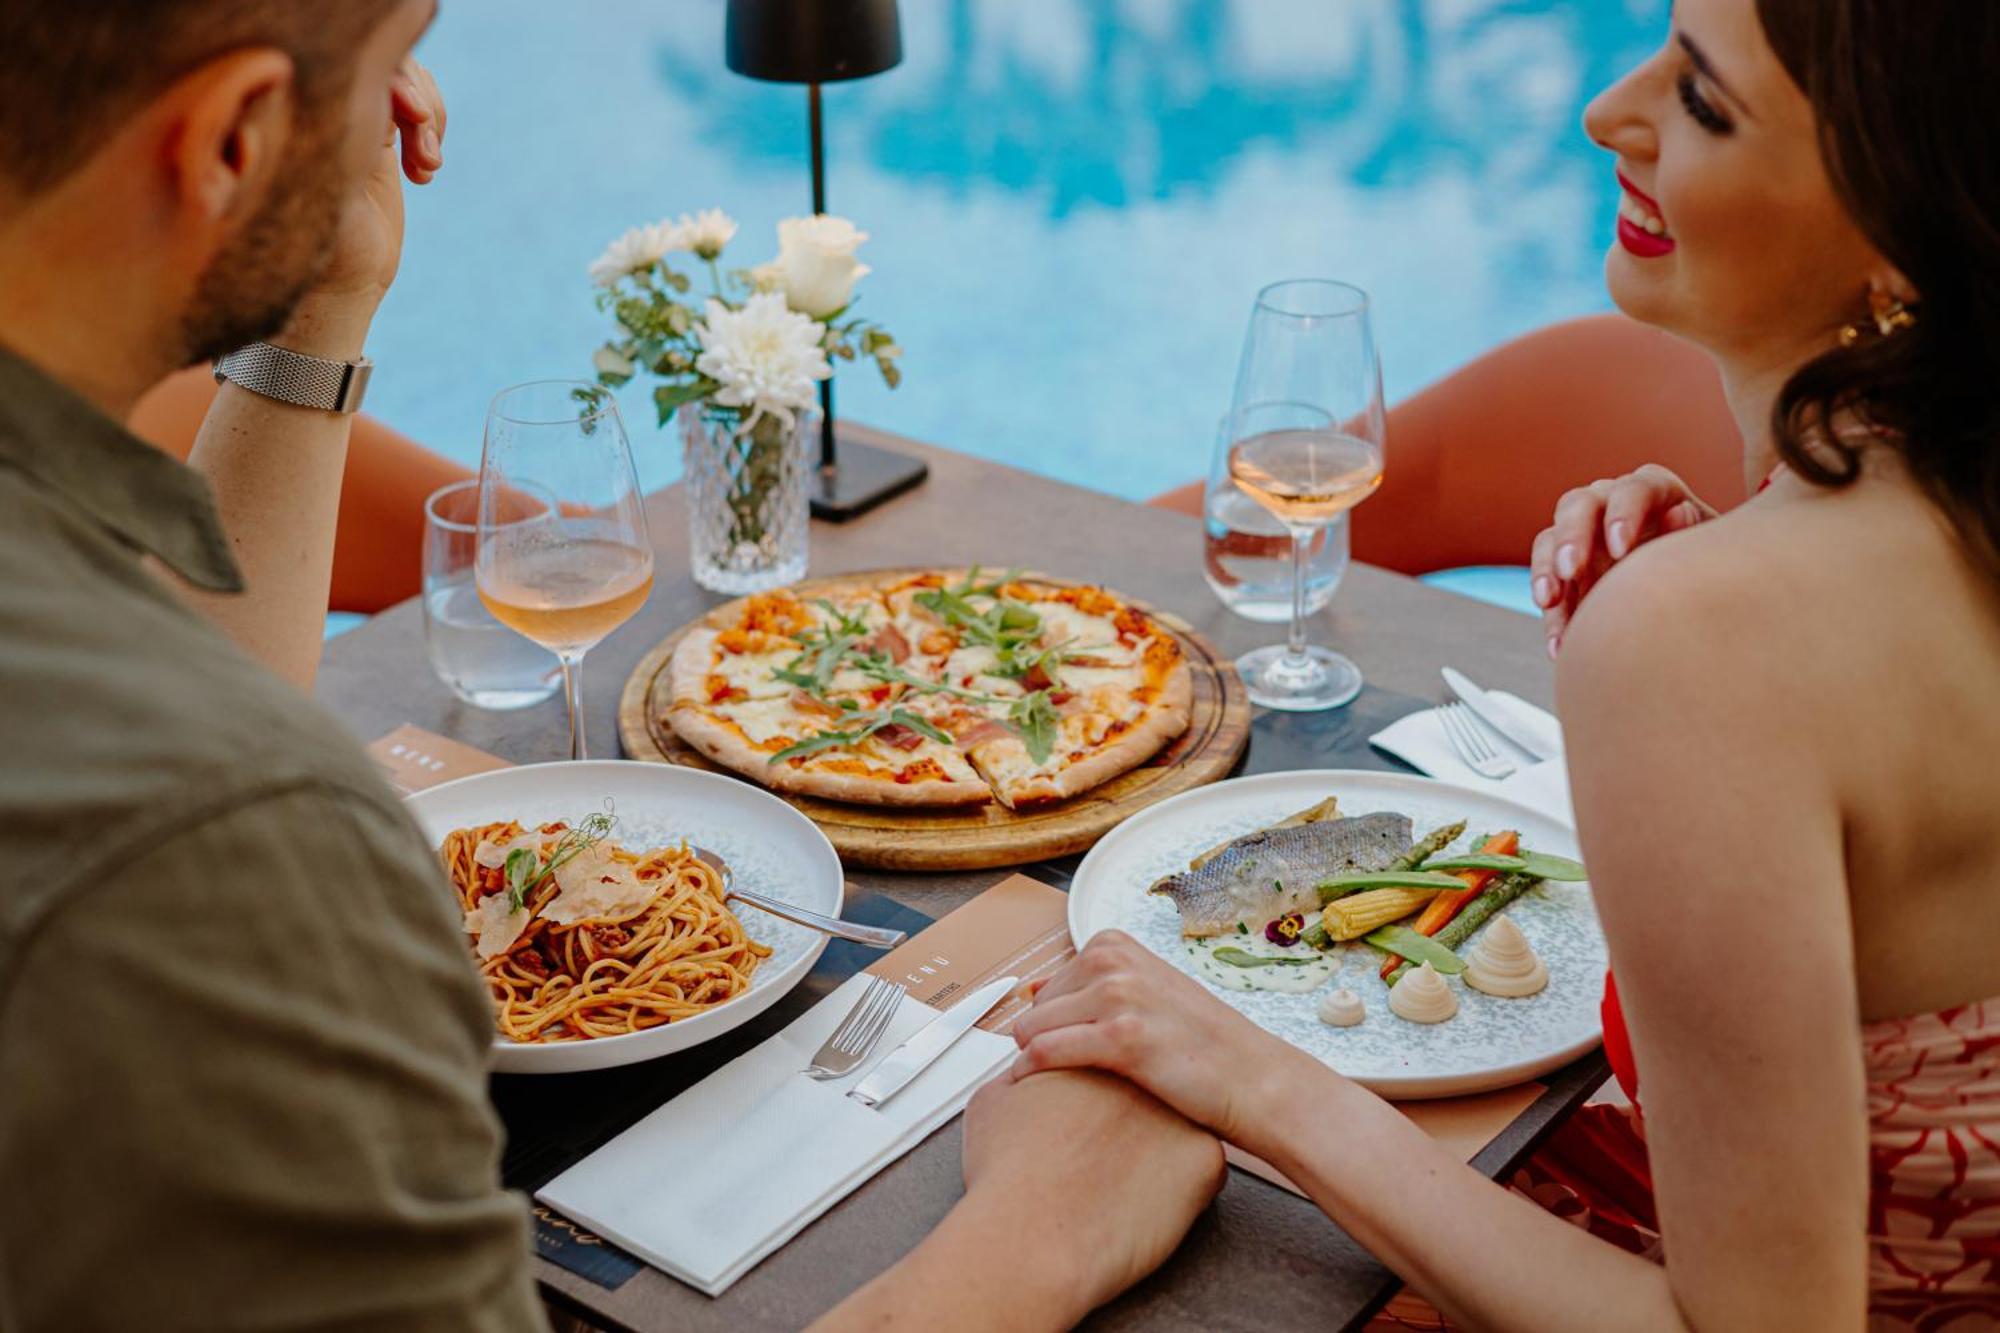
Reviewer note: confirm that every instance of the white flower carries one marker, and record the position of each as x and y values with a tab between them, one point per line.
816	263
707	232
766	357
639	248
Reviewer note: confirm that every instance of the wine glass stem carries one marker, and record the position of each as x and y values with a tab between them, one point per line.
1295	642
572	669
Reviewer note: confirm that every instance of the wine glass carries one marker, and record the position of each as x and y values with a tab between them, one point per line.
1306	435
563	554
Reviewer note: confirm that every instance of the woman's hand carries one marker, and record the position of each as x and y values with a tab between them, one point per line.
1598	525
1118	1007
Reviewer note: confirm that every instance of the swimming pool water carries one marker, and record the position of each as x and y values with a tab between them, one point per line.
1071	202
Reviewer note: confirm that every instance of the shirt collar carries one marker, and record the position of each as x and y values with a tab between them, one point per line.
146	498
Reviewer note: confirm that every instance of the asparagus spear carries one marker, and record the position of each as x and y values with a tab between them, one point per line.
1426	847
1476	913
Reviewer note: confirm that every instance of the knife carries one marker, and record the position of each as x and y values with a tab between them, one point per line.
1495	715
928	1043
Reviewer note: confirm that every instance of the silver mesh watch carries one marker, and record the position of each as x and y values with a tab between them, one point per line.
293	377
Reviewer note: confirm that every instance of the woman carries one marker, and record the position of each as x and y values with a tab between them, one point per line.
1781	726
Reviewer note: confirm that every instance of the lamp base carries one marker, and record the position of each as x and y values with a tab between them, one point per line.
864	477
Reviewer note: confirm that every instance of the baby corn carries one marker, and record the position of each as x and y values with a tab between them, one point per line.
1352	917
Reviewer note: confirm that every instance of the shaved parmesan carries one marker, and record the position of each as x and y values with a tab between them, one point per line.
493	855
596	886
496	927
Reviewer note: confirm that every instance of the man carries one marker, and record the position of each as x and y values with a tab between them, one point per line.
242	1050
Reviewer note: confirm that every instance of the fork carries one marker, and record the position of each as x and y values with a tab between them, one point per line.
858	1032
1468	737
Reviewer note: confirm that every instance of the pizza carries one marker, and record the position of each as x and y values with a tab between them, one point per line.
938	689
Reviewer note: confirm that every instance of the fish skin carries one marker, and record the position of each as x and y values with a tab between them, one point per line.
1296	858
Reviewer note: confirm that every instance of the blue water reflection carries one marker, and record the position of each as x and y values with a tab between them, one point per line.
1071	201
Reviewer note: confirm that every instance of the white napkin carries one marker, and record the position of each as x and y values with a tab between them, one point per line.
725	1173
1418	739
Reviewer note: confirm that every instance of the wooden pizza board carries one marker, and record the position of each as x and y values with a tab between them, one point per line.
975	837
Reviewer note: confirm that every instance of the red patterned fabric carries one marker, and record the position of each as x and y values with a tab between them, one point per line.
1933	1162
1933	1168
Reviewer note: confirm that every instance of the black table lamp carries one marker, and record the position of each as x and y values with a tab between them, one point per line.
814	42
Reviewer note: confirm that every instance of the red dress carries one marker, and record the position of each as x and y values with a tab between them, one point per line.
1933	1170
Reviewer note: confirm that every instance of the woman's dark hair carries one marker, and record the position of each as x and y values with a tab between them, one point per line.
1906	94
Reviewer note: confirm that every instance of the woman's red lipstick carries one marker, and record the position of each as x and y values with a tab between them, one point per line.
1635	209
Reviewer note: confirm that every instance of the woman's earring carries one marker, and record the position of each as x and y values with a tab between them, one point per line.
1891	317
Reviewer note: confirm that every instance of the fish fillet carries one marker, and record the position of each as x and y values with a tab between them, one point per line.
1263	875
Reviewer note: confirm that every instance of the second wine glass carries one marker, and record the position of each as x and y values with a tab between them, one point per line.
1305	442
564	557
1292	459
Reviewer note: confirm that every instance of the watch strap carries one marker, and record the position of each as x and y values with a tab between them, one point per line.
293	377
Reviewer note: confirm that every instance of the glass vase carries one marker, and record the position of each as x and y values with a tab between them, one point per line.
746	489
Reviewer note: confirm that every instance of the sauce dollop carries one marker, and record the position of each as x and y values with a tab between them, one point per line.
1422	997
1504	963
1341	1008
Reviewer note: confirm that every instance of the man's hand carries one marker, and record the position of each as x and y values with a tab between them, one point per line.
1092	1180
1596	526
1076	1186
332	319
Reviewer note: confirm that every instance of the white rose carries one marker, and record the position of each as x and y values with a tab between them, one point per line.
816	263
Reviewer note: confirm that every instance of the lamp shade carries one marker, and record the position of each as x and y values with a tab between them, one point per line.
812	41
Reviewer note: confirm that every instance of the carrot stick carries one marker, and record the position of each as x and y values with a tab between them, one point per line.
1441	909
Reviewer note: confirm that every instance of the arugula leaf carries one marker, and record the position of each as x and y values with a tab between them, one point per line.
1034	719
844	625
922	726
877	666
825	740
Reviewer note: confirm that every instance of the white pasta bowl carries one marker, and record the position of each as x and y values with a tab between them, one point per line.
770	848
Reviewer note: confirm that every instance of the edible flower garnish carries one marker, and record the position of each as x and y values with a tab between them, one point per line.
525	870
1285	930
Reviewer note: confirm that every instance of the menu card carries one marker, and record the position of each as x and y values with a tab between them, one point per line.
413	759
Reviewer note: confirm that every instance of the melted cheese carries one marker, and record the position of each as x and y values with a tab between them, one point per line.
769	719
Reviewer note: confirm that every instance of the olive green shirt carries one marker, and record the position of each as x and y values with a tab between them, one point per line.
242	1046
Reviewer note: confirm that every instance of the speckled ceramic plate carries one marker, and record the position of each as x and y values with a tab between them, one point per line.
768	846
1490	1043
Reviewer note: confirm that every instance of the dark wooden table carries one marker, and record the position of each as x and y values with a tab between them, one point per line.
1260	1258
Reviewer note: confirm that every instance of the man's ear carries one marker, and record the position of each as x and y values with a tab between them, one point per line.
232	118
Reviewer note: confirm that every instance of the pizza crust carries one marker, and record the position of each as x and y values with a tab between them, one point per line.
687	669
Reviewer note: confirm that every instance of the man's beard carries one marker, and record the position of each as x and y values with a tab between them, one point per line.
249	290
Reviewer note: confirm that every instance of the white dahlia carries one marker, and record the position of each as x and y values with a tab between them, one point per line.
766	356
638	249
